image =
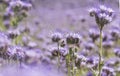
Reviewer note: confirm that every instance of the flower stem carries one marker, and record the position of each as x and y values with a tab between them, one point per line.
68	66
73	65
101	48
100	53
58	57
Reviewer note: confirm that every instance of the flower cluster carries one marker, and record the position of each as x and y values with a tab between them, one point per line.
15	11
10	52
94	34
67	46
73	38
56	37
102	14
117	52
83	51
110	67
107	71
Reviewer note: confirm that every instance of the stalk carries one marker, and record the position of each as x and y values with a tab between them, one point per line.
100	53
101	48
70	62
69	73
58	57
73	65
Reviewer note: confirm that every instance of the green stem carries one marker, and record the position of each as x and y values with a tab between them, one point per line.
69	61
68	64
73	62
100	53
101	48
58	57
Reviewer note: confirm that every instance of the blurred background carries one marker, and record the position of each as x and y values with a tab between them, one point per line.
48	16
65	14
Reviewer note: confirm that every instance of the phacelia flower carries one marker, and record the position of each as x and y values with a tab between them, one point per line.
107	71
56	37
103	15
117	52
73	38
94	34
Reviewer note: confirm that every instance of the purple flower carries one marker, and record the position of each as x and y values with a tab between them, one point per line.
103	15
56	37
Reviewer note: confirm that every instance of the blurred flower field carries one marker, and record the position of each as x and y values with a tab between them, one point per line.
59	38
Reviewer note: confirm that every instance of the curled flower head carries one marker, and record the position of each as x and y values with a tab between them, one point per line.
55	52
117	52
89	46
56	37
115	33
108	71
15	9
112	62
73	38
92	11
19	5
94	34
103	15
108	44
13	34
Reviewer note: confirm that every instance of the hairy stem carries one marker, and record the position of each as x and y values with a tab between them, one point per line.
58	57
100	53
68	64
73	64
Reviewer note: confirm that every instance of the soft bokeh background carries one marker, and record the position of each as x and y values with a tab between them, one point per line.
48	16
64	14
